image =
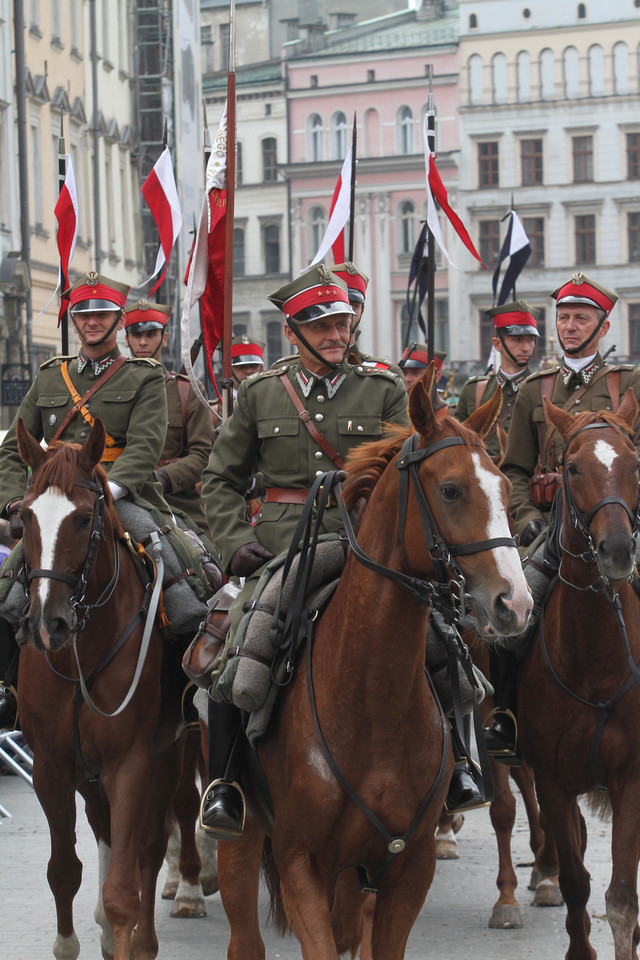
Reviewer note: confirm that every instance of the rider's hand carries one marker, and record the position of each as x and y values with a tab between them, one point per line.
162	477
248	558
530	531
15	520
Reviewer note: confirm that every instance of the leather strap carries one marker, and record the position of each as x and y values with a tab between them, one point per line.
79	403
481	386
547	384
285	495
305	417
183	392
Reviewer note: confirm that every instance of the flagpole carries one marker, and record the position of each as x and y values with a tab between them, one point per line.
62	173
227	379
431	259
514	283
352	200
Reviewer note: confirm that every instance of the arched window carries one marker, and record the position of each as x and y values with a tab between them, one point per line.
407	231
523	74
547	74
473	21
317	225
238	251
499	77
315	138
582	11
339	135
571	73
371	128
476	79
239	171
404	127
621	68
271	241
269	158
596	70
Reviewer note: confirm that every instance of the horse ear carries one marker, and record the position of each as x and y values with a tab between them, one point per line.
628	408
93	447
559	418
482	420
502	442
28	447
421	409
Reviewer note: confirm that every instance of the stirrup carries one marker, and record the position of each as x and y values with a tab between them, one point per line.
10	687
506	755
222	833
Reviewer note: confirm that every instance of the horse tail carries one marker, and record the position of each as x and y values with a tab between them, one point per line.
271	874
599	804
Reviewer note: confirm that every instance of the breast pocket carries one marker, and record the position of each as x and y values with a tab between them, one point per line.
280	451
360	427
114	407
53	408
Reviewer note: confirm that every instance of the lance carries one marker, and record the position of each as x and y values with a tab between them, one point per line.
227	379
431	260
352	198
506	216
62	173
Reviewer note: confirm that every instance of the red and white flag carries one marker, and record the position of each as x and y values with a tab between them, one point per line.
66	212
436	190
338	215
159	190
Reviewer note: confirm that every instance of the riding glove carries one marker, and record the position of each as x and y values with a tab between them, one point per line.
530	531
248	558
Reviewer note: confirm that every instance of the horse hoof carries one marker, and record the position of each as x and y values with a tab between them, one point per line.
506	916
209	884
536	877
189	908
446	847
458	820
66	948
170	890
548	893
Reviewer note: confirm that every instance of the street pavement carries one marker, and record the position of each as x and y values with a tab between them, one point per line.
452	924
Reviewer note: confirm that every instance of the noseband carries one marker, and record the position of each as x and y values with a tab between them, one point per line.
81	610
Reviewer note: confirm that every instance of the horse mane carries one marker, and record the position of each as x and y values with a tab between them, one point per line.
60	468
367	462
589	416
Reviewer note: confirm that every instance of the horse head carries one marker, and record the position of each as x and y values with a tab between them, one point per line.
468	496
63	514
600	484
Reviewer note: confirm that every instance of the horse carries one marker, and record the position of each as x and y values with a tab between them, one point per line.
91	700
357	789
578	697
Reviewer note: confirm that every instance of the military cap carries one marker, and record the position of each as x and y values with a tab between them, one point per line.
515	319
317	293
96	293
246	350
356	281
417	355
146	316
581	289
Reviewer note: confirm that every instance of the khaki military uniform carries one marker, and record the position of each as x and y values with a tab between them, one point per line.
266	434
529	428
132	406
186	449
467	401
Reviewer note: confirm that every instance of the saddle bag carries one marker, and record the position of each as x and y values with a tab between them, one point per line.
205	650
543	488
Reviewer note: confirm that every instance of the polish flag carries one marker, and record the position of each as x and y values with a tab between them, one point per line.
338	215
159	190
66	213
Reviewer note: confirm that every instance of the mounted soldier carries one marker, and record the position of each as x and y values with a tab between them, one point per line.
516	332
67	394
357	283
533	457
415	360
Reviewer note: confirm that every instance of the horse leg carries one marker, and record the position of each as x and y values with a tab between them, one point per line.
446	843
97	811
567	825
208	850
64	871
172	856
189	899
523	777
545	871
506	913
622	897
308	913
239	874
347	916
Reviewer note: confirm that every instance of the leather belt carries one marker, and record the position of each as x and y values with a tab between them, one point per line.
291	495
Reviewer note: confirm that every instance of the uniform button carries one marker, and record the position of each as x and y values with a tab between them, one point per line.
276	429
83	433
577	401
320	398
319	417
359	369
319	473
118	398
52	402
360	428
318	454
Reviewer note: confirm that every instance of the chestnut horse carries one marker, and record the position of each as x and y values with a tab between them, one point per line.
578	696
84	628
355	784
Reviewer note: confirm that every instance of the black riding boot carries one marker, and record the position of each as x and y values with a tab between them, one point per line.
9	664
222	811
464	793
501	736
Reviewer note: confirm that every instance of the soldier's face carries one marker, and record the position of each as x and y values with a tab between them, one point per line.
575	323
521	347
146	343
412	374
93	326
329	337
241	371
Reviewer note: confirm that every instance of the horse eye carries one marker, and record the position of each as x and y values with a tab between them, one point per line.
572	469
84	522
450	492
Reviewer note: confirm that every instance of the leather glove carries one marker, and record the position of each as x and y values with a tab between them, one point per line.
248	558
15	520
162	478
530	531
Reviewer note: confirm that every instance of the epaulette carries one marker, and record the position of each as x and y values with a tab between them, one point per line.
625	366
291	358
55	361
264	374
149	360
547	372
480	377
363	371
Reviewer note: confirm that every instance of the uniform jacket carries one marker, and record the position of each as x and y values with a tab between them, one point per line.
467	401
528	429
265	434
186	449
132	406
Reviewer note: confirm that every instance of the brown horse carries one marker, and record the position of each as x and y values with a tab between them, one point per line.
578	696
355	784
85	628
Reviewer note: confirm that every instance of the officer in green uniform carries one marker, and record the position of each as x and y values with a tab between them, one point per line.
247	357
415	360
516	332
348	405
582	382
357	283
190	425
131	403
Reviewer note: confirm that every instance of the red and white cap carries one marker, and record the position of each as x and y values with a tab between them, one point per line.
516	319
146	316
581	289
95	293
246	351
317	293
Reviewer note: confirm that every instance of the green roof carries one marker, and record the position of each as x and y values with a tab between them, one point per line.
383	34
268	72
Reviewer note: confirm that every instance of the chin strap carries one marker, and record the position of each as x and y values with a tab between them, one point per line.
97	343
332	366
518	364
586	343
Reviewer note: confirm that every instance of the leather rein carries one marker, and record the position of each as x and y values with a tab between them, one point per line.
581	521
